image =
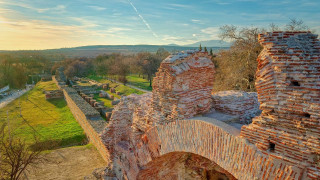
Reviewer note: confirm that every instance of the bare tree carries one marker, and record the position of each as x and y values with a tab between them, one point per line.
162	53
296	25
15	156
236	67
274	27
150	64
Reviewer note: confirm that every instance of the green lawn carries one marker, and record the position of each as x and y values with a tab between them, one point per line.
51	121
124	90
106	101
137	81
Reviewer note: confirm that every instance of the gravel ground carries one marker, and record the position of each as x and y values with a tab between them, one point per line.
68	163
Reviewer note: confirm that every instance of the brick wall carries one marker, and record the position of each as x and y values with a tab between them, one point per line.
184	81
54	94
288	86
282	143
240	103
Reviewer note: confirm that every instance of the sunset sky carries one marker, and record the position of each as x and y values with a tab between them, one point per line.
46	24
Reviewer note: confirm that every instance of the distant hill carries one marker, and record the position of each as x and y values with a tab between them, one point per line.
210	43
93	51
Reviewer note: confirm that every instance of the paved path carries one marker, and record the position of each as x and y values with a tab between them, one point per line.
14	96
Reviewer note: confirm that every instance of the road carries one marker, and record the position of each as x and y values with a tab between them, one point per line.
14	96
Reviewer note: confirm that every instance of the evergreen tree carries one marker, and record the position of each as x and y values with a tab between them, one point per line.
205	49
211	53
200	47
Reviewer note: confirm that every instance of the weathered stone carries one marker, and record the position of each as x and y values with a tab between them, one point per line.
283	140
105	86
184	81
288	86
115	102
55	94
240	103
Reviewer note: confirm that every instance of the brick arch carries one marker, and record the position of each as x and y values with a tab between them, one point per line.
183	165
219	143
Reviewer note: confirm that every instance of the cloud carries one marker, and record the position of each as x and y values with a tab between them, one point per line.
171	38
143	20
180	5
5	11
84	22
213	32
36	34
97	8
197	21
117	29
59	8
168	39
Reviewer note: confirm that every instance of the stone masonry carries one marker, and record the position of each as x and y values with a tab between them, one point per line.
184	82
244	104
288	86
281	143
181	89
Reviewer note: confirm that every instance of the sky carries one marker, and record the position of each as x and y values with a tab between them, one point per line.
47	24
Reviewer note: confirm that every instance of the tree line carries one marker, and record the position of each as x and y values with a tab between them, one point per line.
116	66
236	67
16	69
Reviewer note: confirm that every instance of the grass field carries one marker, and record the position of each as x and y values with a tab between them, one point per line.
107	102
124	90
51	121
137	81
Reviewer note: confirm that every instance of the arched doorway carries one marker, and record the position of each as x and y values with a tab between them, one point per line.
183	165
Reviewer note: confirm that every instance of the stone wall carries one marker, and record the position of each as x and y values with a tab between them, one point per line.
288	86
281	143
181	89
214	140
240	103
55	94
89	119
184	82
87	116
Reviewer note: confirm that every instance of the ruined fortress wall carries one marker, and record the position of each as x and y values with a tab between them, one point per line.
55	81
184	81
288	86
282	143
211	139
92	128
240	103
88	118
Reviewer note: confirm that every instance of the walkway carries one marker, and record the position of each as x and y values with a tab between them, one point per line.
14	96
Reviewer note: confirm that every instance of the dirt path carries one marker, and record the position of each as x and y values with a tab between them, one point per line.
68	164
